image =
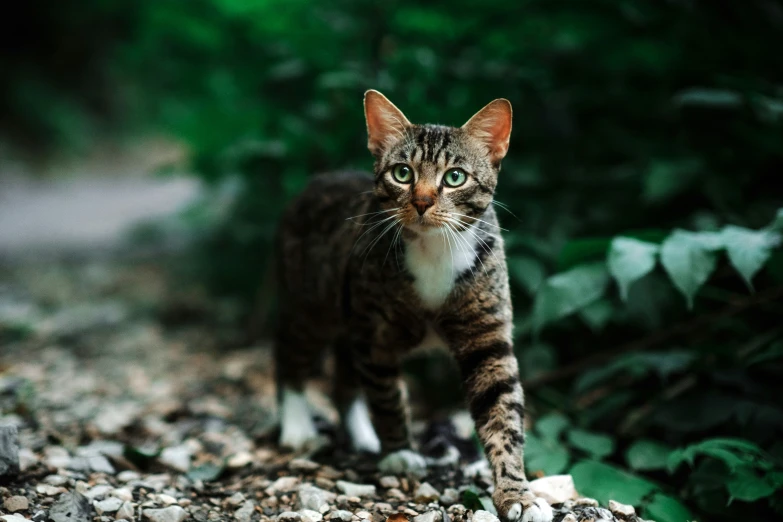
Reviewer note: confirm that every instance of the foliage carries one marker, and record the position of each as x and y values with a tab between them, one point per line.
645	147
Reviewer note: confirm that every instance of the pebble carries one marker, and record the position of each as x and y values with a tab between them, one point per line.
9	451
621	510
289	515
311	497
429	516
98	492
48	490
128	475
57	457
110	505
355	490
244	513
239	460
389	482
308	515
484	516
555	489
425	493
13	518
26	458
341	514
166	500
303	465
56	480
570	518
71	507
396	493
169	514
383	507
236	499
584	501
123	494
363	514
16	503
176	457
125	512
450	496
282	484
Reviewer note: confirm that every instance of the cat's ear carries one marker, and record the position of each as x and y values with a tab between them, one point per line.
385	123
492	127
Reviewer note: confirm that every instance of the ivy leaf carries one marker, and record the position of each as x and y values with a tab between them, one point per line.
689	259
664	508
564	294
604	482
630	259
551	426
746	485
646	455
748	250
597	445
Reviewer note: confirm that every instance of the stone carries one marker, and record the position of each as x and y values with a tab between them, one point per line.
26	459
123	494
396	494
282	484
9	451
484	516
555	489
16	503
98	492
128	475
364	515
308	515
289	515
71	507
570	517
110	505
383	507
125	512
176	457
341	514
389	481
166	500
397	517
355	490
621	510
429	516
425	493
303	465
13	518
239	460
450	496
585	501
236	499
169	514
244	513
311	497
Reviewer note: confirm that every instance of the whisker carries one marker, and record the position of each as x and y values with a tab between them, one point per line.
506	208
467	245
372	213
377	239
480	220
484	244
373	227
445	238
391	245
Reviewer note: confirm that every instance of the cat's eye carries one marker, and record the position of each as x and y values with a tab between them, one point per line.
402	173
455	178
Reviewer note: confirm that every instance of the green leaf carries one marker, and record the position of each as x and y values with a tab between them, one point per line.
488	505
206	472
747	485
527	271
748	250
549	457
666	179
536	359
564	294
777	223
604	482
664	508
735	453
630	259
581	251
598	446
471	498
646	455
689	259
551	426
597	314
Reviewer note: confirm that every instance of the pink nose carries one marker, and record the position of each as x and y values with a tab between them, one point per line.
422	203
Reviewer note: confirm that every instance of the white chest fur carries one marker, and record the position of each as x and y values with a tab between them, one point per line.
436	260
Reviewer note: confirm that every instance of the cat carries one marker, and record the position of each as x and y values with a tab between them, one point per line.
375	266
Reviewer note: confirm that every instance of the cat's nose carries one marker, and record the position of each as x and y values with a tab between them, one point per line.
422	203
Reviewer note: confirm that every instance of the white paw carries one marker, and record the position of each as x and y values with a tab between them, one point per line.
403	461
297	429
360	429
540	511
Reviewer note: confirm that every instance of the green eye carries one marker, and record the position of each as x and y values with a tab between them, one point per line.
455	177
402	173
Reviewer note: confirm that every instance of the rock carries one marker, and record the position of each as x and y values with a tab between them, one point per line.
236	499
282	484
167	500
125	512
110	505
57	457
71	507
26	459
169	514
47	490
341	514
127	476
364	515
397	517
55	480
356	490
429	516
16	503
555	489
176	457
396	493
450	496
239	460
389	482
303	465
311	497
123	494
13	518
584	501
425	493
308	515
9	451
244	513
570	517
621	510
98	492
289	515
484	516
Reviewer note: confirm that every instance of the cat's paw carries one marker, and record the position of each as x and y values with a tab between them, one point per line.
297	429
403	462
522	507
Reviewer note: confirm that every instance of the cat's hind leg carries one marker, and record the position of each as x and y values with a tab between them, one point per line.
350	401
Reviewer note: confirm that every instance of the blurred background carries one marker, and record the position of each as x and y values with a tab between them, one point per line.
175	132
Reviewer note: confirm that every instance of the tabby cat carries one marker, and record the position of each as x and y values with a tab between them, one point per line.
375	267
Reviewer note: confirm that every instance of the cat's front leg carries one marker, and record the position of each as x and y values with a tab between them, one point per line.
491	377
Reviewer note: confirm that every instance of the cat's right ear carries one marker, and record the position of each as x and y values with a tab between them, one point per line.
385	123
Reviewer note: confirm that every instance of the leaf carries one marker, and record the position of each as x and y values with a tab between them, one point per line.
488	505
748	250
551	426
597	445
597	314
689	260
735	453
746	485
549	457
537	359
630	259
528	271
604	482
71	507
777	223
666	179
580	251
664	508
206	472
471	498
645	455
564	294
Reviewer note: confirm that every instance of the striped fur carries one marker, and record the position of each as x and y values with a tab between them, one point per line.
345	283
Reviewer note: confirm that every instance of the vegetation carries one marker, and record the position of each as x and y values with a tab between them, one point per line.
643	226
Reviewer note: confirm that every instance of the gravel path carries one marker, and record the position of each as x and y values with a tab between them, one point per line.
118	388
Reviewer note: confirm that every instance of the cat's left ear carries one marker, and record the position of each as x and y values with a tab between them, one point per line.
492	126
385	123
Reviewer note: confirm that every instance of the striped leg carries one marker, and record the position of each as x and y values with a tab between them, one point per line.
496	402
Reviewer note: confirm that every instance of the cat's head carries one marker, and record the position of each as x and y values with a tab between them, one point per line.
432	175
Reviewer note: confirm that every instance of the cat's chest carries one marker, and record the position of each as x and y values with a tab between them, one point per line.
436	261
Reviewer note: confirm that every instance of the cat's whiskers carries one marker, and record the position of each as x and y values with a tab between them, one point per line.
479	220
373	227
477	237
457	236
392	244
371	214
506	208
445	238
375	241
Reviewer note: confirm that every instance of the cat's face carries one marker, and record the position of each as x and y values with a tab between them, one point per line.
431	176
